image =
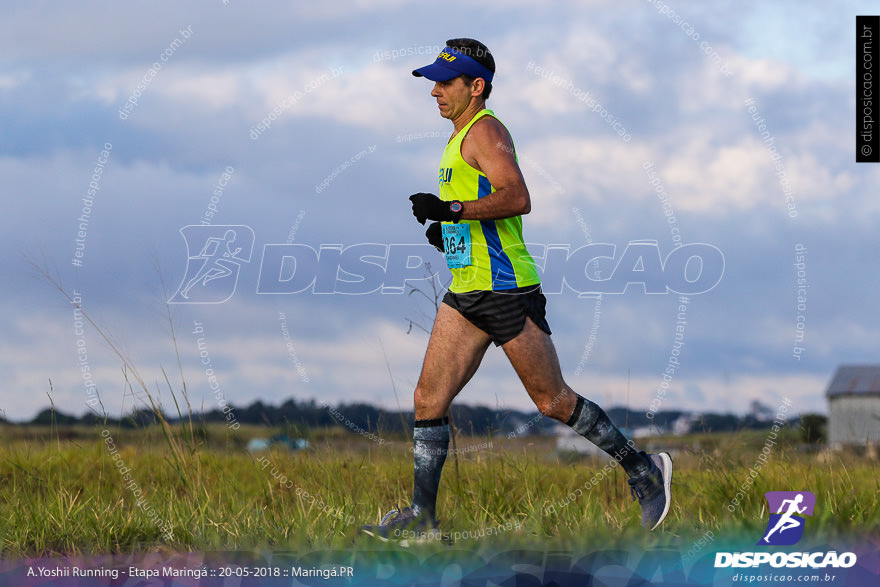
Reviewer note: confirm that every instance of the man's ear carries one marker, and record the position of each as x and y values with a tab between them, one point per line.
477	86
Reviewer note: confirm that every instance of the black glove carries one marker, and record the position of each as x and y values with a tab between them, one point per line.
435	235
430	207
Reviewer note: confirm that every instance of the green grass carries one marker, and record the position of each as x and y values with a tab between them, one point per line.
60	492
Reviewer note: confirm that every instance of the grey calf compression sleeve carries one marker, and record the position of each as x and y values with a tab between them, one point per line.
591	422
430	445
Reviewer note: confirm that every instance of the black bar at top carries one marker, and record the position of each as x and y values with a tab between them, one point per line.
867	88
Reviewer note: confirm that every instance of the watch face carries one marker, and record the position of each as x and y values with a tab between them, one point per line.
455	207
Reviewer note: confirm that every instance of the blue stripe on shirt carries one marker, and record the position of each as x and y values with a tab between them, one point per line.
503	275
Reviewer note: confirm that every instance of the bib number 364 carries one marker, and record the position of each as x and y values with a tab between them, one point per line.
457	244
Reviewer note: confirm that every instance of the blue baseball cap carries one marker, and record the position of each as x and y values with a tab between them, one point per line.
451	63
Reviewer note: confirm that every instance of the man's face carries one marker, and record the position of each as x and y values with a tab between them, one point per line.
453	96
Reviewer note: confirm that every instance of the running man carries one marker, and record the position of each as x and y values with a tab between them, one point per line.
495	296
218	261
786	522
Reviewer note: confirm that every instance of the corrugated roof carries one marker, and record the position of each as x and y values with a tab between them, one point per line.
855	379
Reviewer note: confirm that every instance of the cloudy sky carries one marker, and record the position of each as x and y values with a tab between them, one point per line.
351	134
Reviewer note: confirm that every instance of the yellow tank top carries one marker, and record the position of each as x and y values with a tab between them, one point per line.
499	258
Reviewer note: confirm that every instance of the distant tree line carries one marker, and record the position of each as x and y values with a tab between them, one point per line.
476	420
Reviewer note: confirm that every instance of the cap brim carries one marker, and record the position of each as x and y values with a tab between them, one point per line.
436	73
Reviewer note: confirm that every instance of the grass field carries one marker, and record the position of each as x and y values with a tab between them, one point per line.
64	491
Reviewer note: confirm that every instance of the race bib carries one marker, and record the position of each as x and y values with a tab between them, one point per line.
457	245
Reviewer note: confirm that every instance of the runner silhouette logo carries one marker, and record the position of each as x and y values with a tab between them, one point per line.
214	258
786	525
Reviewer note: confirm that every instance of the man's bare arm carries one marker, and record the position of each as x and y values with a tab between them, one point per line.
489	149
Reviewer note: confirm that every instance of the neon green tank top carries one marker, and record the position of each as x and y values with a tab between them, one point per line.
499	258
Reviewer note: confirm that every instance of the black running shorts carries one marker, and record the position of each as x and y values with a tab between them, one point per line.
501	314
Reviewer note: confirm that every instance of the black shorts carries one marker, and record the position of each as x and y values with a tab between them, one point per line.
501	314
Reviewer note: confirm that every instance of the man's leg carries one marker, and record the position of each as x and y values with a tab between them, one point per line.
454	352
534	358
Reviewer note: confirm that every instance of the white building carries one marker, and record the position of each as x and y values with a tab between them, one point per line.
854	405
569	441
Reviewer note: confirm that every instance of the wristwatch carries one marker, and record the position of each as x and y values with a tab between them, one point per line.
456	208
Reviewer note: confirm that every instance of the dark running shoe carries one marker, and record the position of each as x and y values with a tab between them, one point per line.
654	490
405	526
